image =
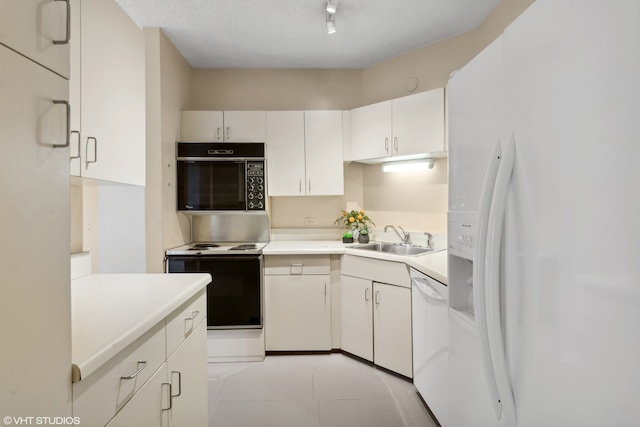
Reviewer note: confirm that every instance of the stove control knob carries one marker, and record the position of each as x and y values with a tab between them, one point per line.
260	205
260	187
251	196
260	181
252	188
260	196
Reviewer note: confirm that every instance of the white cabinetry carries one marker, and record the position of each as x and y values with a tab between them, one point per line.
305	153
376	317
227	126
297	303
158	380
407	127
392	328
39	30
35	307
356	314
112	91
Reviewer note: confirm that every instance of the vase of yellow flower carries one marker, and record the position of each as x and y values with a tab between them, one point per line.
358	222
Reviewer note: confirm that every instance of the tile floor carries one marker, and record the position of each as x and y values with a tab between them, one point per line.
330	390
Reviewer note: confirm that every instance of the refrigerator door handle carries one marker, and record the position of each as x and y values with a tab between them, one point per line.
492	283
479	275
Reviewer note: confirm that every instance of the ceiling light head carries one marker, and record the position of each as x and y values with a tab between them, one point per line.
331	24
332	7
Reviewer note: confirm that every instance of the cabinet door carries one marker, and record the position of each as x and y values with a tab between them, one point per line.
356	328
149	405
75	162
285	153
371	131
201	126
113	94
323	148
189	382
31	27
34	184
245	126
297	312
418	123
392	326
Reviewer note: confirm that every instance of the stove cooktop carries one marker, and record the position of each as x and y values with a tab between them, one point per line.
219	248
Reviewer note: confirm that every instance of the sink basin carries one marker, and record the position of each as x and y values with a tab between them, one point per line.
392	248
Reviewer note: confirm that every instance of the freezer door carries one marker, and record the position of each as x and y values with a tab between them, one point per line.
570	281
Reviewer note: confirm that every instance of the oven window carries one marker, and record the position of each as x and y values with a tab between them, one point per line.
234	295
211	185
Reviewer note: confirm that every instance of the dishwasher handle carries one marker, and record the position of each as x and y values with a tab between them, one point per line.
427	288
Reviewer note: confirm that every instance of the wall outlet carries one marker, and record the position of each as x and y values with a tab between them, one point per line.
310	221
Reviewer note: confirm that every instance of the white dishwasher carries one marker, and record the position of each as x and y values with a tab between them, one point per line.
430	305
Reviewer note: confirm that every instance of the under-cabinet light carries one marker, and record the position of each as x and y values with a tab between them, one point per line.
408	166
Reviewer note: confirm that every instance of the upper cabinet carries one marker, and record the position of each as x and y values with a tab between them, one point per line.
405	127
108	77
223	126
304	153
38	29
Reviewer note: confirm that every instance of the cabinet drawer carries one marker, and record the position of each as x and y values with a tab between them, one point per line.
393	273
297	264
182	322
97	398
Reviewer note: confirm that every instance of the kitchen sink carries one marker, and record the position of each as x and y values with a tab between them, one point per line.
394	248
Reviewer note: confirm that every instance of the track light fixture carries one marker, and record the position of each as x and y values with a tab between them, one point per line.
332	7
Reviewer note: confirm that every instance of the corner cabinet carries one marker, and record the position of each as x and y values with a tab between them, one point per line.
108	78
405	127
223	126
376	316
305	153
297	303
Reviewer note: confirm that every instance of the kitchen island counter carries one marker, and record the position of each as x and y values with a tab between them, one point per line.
111	311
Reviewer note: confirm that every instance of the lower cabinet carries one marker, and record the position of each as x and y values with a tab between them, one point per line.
376	323
297	303
147	407
145	386
189	405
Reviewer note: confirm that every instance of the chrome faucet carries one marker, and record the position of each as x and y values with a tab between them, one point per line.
405	237
430	243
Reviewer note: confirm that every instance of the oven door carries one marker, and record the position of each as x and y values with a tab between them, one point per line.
234	297
212	185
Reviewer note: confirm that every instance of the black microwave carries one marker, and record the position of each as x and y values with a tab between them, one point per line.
221	176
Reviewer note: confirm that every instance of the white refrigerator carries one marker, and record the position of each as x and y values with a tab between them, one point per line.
544	221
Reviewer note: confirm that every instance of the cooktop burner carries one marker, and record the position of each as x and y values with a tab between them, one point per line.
199	246
247	247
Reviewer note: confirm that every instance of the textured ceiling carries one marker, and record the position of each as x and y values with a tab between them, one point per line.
293	34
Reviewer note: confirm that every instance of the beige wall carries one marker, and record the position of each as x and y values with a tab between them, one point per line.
267	89
433	64
176	83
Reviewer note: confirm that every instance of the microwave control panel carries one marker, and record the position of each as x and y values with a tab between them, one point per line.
256	186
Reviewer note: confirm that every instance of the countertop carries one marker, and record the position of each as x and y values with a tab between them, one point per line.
433	264
111	311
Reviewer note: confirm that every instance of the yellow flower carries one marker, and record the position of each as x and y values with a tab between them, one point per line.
360	217
362	212
344	213
351	219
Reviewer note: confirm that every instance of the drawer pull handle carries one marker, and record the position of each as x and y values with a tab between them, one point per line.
170	397
377	301
68	130
179	383
135	374
194	314
366	294
68	31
